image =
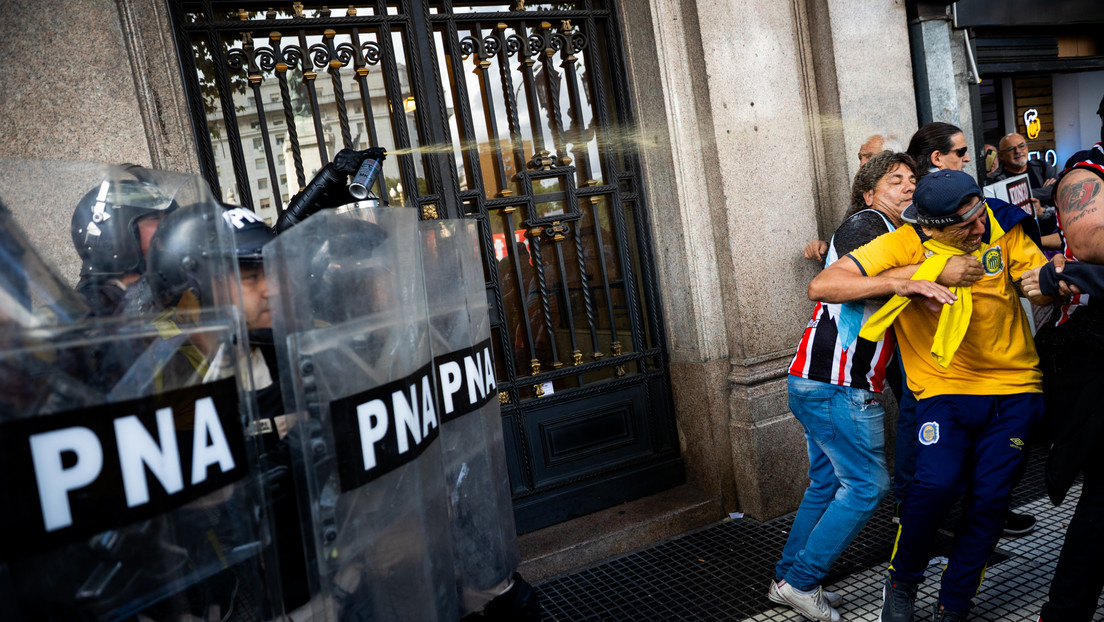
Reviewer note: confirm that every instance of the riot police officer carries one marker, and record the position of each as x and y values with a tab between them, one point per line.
111	228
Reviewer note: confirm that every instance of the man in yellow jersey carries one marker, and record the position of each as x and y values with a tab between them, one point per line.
970	360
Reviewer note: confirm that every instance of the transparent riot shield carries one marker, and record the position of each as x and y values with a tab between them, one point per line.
484	539
349	315
128	486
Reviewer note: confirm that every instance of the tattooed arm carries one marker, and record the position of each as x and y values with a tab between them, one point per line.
1080	203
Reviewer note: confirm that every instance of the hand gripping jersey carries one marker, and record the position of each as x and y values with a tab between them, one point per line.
830	350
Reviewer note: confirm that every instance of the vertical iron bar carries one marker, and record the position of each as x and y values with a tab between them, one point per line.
577	119
465	124
309	76
584	278
527	62
229	118
201	131
523	290
398	113
512	121
285	96
605	273
552	78
339	90
600	109
361	62
255	79
489	112
432	116
567	309
534	244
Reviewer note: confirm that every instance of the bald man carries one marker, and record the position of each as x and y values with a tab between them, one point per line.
873	145
1012	152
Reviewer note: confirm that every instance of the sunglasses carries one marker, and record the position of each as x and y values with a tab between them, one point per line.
960	152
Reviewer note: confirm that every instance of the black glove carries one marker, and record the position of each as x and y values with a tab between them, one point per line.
328	189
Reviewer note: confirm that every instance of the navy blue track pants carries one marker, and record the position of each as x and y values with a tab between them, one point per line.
972	444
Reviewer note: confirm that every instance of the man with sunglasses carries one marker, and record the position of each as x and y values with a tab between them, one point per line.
970	360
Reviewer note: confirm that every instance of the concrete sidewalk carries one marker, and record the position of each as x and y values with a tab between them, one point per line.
721	572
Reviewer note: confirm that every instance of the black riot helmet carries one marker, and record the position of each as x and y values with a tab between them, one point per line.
105	222
186	254
250	233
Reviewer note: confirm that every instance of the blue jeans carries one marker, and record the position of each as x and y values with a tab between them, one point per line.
847	473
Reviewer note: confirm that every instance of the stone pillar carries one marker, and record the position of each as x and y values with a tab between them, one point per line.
93	80
943	72
863	76
664	60
760	108
733	203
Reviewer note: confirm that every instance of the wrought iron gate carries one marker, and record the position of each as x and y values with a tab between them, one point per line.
514	114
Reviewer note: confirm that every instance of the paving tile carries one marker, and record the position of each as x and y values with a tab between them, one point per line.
721	572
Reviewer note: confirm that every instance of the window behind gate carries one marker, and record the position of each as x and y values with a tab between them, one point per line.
514	114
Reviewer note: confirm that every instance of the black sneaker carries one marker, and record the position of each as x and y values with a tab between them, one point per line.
898	598
942	614
1018	524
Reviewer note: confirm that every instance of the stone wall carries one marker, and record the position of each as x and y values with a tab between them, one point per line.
764	106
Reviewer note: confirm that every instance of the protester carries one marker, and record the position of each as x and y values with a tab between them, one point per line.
977	380
872	146
1014	161
833	382
937	146
1069	351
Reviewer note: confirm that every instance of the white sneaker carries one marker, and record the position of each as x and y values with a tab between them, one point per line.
812	605
833	599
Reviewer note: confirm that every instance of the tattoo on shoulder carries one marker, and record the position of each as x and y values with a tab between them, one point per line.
1076	200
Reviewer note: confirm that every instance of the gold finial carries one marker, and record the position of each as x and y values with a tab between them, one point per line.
566	25
519	5
535	366
503	397
615	349
297	9
243	15
577	357
538	390
429	212
351	12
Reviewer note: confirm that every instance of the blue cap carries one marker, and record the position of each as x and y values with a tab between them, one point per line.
937	197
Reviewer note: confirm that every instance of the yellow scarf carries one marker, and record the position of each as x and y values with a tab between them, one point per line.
953	319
